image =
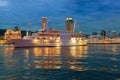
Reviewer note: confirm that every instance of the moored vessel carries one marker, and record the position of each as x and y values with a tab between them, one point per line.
50	37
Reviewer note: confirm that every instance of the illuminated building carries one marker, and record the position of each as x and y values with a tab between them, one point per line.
44	23
114	34
3	41
12	34
69	25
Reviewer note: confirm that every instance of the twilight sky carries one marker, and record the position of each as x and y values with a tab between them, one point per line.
90	15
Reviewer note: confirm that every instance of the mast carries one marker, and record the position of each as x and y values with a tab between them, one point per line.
74	27
27	32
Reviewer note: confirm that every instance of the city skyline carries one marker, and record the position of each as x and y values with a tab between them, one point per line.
90	15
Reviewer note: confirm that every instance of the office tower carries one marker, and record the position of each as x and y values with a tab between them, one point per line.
114	34
69	25
103	33
108	33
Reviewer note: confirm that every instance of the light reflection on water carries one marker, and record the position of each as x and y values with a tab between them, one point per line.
56	63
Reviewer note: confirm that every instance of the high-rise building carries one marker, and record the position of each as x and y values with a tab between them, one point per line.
44	23
103	33
69	25
114	34
108	33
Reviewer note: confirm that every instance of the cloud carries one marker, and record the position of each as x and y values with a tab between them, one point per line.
89	14
3	3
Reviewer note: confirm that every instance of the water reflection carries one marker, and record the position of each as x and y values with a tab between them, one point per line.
104	49
43	57
54	57
22	63
47	58
71	57
78	52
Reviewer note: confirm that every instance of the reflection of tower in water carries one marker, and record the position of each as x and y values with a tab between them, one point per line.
47	57
71	54
79	51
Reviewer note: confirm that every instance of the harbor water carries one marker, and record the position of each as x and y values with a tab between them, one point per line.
91	62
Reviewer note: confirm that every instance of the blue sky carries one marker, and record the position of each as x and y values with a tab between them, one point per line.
90	15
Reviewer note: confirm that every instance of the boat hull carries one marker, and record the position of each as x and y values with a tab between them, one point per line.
20	43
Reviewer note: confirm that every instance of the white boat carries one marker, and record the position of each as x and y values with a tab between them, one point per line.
103	40
49	37
63	38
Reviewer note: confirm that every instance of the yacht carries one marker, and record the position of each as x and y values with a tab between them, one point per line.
49	37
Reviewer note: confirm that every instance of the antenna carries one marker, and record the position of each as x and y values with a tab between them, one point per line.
74	26
27	32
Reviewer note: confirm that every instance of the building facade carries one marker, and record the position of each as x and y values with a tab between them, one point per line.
69	25
12	34
114	34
